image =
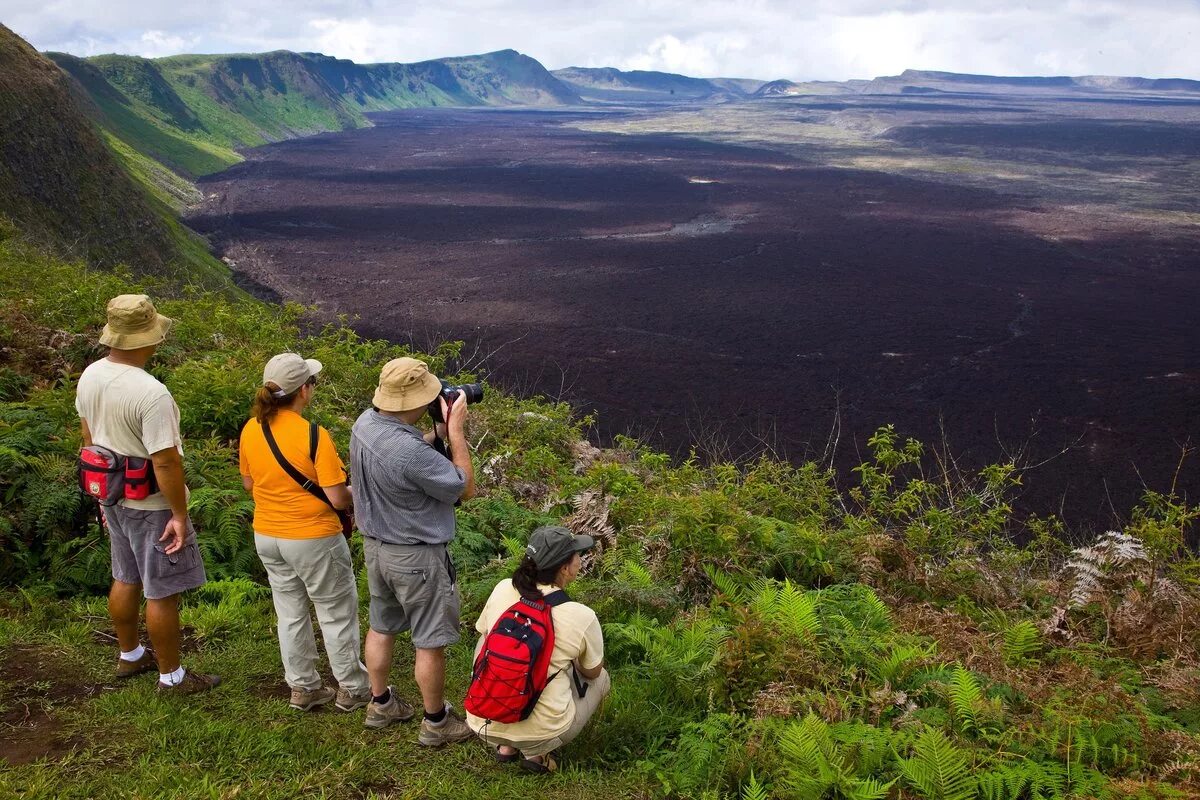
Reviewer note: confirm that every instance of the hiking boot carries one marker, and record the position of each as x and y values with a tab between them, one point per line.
192	683
452	729
127	669
308	699
389	713
351	702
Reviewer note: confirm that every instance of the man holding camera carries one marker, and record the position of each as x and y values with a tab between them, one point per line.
404	497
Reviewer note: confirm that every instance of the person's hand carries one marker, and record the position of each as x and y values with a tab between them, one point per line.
458	415
174	534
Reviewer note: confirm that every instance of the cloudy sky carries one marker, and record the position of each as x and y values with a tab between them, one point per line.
797	39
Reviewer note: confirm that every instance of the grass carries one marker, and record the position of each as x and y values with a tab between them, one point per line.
234	742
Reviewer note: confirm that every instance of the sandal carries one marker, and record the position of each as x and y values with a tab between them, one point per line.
544	767
503	758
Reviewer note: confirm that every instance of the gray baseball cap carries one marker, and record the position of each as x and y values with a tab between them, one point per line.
289	372
550	545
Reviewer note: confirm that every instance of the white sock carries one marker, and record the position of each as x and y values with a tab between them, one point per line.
171	678
134	654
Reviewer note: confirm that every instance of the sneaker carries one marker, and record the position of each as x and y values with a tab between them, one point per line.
308	699
391	712
192	683
451	730
351	702
127	669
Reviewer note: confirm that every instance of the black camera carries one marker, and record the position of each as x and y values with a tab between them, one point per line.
473	393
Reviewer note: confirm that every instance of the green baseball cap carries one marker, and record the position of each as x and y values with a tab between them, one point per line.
551	545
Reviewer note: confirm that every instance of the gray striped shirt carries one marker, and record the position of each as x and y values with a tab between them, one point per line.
404	490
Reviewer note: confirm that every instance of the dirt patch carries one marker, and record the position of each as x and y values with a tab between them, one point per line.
33	682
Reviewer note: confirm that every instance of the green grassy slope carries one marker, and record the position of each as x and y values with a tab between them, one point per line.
62	183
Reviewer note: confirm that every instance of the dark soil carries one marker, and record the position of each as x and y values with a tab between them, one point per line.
33	683
728	298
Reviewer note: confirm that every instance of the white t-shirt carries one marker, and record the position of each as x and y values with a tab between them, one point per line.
577	636
131	413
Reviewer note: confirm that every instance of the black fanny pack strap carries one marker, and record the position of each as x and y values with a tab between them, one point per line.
306	484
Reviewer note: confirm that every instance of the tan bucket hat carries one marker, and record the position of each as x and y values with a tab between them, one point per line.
405	384
133	322
289	372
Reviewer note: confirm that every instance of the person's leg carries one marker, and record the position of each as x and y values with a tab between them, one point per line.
429	669
324	566
297	644
125	595
379	660
162	622
124	606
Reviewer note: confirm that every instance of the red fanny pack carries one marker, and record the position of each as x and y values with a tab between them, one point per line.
109	477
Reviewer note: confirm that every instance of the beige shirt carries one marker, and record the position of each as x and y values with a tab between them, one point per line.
577	636
131	413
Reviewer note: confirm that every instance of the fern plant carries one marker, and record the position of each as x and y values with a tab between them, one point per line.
938	769
1021	642
816	767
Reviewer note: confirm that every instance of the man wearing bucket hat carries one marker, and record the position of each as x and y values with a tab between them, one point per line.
404	496
577	681
153	545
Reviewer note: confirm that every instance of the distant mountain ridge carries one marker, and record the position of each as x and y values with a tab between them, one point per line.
66	186
192	112
606	84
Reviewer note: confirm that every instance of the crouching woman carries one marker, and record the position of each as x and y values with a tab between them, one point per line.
577	681
298	534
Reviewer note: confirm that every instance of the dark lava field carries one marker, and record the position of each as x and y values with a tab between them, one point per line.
699	293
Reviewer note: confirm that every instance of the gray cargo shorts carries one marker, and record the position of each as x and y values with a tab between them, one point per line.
413	587
139	557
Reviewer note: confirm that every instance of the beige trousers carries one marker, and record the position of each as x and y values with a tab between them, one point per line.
320	571
585	707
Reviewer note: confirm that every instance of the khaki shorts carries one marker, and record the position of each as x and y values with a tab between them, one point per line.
413	588
139	557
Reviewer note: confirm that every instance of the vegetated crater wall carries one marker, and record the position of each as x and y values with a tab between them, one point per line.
729	297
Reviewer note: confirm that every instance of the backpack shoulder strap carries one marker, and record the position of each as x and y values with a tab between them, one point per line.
557	598
306	484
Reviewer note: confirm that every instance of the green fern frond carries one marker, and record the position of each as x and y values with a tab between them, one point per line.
965	698
753	790
725	584
938	769
1021	641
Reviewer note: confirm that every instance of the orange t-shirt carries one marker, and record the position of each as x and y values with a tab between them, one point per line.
281	507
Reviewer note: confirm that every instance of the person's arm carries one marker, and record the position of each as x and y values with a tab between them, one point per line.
168	471
460	451
593	651
248	484
339	496
87	432
590	674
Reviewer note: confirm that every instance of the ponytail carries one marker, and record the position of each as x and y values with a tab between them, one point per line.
528	576
266	404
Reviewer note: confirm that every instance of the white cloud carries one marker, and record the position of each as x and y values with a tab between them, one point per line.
827	39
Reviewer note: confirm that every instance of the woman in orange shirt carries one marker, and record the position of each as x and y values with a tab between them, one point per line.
298	535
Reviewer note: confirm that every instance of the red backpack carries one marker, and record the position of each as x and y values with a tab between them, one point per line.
513	665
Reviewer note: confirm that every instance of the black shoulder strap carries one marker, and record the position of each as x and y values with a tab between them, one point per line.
556	598
313	433
305	483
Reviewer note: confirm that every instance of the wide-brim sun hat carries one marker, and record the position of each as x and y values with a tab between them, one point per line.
405	384
133	322
289	371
